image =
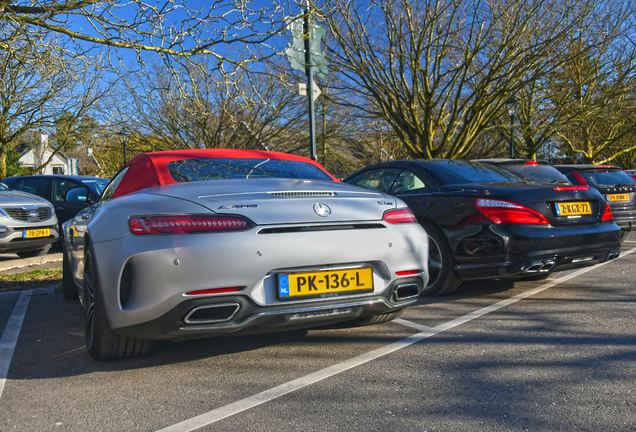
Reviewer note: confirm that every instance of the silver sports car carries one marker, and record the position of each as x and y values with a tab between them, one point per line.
198	243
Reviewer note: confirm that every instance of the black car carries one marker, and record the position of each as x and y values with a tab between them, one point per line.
68	194
486	222
539	171
617	186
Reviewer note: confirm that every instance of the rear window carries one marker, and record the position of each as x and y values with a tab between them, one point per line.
607	178
538	173
238	168
459	172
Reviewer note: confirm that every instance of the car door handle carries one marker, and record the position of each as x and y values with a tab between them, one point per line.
60	208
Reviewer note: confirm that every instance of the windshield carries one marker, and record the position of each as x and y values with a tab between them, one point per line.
238	168
607	178
462	172
96	186
538	173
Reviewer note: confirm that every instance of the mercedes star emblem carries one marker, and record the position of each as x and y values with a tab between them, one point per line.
322	210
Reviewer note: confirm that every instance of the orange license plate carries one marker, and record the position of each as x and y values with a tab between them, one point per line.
36	233
325	283
573	208
618	197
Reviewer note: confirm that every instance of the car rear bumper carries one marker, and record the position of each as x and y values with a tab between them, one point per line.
238	315
532	250
162	272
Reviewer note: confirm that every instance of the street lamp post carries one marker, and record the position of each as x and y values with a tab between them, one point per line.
512	106
124	136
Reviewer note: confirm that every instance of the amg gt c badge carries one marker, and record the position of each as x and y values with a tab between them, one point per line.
322	210
238	206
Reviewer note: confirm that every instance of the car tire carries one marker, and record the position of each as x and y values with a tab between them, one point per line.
102	342
377	319
442	279
33	253
68	286
624	235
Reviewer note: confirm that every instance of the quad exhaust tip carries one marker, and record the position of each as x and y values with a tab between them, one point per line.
539	266
211	314
612	255
407	291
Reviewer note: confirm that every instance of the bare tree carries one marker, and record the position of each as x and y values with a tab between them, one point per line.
438	71
594	91
43	79
170	28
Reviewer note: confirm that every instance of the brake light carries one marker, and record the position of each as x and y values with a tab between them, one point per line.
607	214
567	188
507	212
216	290
187	224
532	162
399	216
408	272
579	178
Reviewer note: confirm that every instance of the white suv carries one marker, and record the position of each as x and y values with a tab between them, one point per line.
28	225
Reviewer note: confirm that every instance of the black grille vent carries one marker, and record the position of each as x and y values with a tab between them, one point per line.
320	228
28	214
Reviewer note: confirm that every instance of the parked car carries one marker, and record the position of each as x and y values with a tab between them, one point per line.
28	225
486	222
55	189
199	243
539	171
618	188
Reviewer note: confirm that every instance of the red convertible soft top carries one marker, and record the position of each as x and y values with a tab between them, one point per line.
151	169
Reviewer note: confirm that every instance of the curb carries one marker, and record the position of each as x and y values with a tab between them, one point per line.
30	262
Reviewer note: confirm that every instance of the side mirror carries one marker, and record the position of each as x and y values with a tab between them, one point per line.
78	194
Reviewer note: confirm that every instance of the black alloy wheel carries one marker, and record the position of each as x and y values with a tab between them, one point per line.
68	285
89	302
442	279
102	342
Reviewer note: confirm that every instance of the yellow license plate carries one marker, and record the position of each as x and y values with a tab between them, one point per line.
36	233
324	283
618	197
573	208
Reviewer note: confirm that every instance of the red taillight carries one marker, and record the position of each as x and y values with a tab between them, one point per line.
566	188
607	214
579	178
532	163
507	212
408	272
399	216
216	290
188	224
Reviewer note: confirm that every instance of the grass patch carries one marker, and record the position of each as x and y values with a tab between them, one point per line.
30	280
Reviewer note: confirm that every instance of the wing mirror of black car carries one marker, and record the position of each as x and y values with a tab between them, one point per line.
78	194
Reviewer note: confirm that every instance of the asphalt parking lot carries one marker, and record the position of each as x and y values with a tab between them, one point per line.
553	355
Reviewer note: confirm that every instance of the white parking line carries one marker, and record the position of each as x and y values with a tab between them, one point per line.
283	389
10	336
